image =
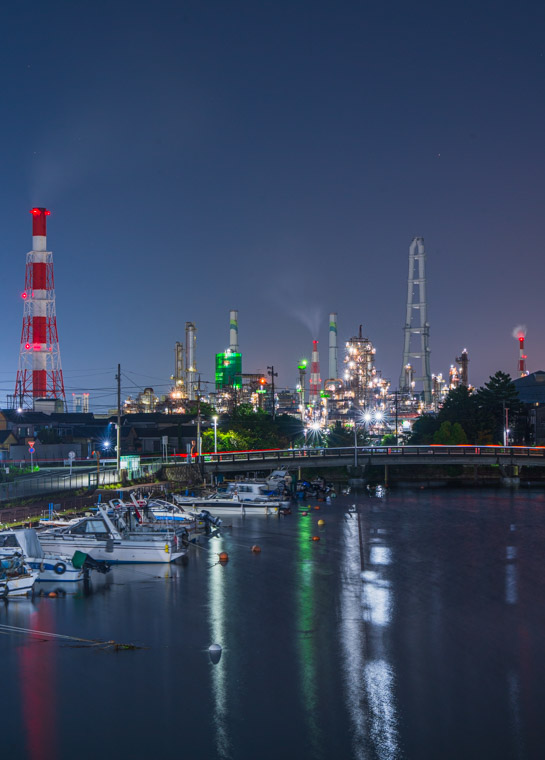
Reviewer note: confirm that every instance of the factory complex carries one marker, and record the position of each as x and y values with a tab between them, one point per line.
354	393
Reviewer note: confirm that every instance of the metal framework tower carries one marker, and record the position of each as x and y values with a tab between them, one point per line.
40	373
417	327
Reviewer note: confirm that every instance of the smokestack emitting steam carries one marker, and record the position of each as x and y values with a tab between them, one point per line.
315	382
520	333
332	346
233	331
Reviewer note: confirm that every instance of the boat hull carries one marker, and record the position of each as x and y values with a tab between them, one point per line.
20	586
122	552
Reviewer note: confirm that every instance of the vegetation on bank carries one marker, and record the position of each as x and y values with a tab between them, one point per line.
476	417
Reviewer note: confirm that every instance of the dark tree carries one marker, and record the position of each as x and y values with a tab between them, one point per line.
460	406
424	429
498	402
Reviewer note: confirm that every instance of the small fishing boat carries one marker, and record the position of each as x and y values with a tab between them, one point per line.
50	566
159	510
16	577
122	536
246	497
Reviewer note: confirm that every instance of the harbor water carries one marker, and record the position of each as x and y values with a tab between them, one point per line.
412	629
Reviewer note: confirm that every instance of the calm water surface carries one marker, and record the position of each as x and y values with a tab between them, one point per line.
415	628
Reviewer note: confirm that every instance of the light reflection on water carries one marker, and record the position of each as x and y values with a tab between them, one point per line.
412	630
369	677
217	611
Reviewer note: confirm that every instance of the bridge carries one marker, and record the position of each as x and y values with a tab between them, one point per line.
246	461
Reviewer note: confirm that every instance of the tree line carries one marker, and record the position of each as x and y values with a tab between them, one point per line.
475	417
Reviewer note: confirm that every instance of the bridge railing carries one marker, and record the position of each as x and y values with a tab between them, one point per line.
486	452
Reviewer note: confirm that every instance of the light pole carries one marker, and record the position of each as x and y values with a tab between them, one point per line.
215	420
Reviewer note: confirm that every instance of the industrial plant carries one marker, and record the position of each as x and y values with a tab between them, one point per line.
355	393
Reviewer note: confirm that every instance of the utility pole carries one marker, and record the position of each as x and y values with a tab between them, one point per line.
272	374
397	439
199	423
118	437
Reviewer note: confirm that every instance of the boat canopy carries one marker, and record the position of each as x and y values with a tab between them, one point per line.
29	542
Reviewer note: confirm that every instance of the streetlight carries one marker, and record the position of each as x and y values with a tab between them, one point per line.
215	421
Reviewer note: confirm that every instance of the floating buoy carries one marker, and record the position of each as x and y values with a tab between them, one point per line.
316	507
52	594
315	538
215	650
256	549
321	522
224	557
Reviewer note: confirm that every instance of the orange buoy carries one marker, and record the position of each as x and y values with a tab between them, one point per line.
256	549
304	514
224	557
315	538
321	522
316	507
52	594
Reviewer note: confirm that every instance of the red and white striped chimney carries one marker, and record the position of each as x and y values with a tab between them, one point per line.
315	382
522	356
39	374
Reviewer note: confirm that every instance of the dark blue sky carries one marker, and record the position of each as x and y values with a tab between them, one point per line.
278	158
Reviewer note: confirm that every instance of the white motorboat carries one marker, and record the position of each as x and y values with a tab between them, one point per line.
16	577
49	565
118	538
160	510
248	497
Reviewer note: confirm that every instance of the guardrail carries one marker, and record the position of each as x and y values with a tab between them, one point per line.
35	485
382	452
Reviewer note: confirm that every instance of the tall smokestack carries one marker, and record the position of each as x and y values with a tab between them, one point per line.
522	357
191	359
333	370
315	382
233	330
520	334
39	374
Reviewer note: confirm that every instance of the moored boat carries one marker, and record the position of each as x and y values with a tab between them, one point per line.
50	566
16	577
118	538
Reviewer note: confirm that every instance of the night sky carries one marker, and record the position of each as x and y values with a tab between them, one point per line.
277	158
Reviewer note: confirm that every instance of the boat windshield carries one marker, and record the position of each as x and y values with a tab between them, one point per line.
8	540
90	526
